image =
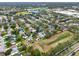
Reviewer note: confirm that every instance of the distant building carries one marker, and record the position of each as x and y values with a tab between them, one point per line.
35	11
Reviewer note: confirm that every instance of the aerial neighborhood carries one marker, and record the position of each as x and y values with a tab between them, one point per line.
37	31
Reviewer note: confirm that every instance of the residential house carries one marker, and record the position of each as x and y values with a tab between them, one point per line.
41	34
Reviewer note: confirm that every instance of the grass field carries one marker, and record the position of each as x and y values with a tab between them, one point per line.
52	42
22	13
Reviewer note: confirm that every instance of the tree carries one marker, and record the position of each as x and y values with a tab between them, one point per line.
19	38
8	44
36	53
5	26
8	52
13	26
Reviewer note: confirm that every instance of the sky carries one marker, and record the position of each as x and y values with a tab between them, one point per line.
39	0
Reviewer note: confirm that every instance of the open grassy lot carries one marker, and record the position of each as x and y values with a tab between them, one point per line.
47	45
52	42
